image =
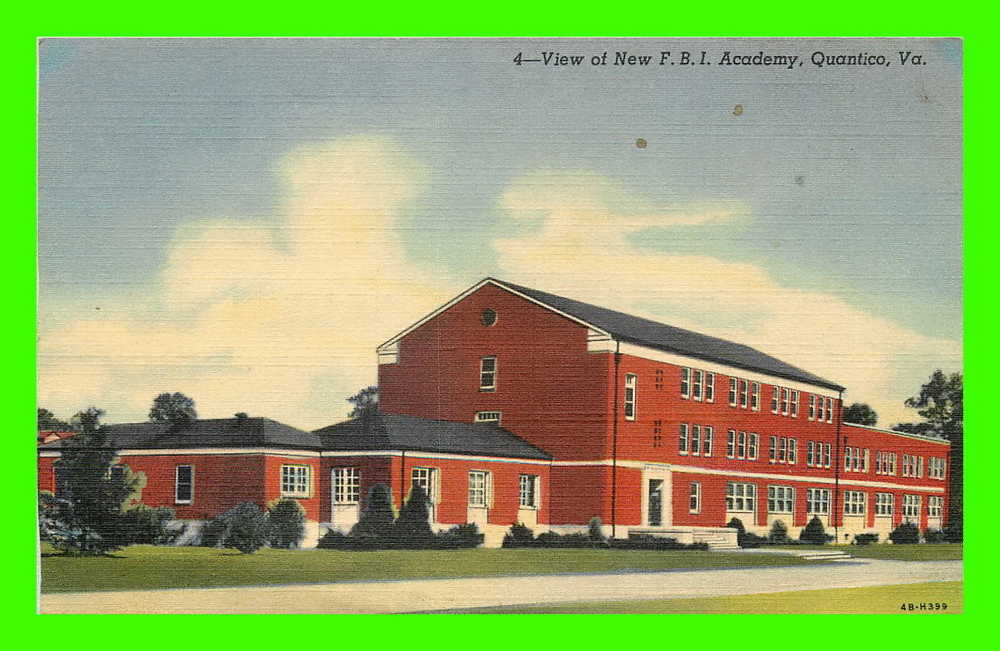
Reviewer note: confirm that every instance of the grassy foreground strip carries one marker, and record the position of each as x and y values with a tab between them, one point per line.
884	599
925	552
147	567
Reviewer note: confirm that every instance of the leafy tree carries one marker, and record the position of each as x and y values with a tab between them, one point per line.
778	533
940	404
173	408
412	527
365	403
861	414
248	528
377	517
48	421
814	532
288	523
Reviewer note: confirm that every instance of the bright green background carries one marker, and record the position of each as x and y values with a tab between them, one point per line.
535	19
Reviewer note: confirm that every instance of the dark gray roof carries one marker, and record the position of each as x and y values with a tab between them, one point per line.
215	432
398	432
633	329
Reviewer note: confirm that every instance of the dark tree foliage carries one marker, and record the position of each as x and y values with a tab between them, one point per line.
907	533
173	408
778	533
365	403
375	522
244	527
412	527
861	414
814	532
940	404
48	421
288	523
519	536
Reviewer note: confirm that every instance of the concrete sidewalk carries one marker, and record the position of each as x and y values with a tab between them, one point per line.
447	594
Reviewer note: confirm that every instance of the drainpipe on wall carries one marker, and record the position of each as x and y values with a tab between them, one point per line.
402	479
836	471
614	449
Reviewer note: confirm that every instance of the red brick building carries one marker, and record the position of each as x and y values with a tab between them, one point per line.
508	404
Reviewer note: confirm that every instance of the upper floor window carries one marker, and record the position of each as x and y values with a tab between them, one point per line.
829	410
708	433
821	415
346	485
732	392
528	491
630	380
793	450
752	446
755	396
488	374
685	383
784	402
812	407
885	463
699	381
794	403
183	484
295	481
811	453
827	455
696	439
743	394
775	398
709	387
935	468
488	417
682	440
731	444
741	448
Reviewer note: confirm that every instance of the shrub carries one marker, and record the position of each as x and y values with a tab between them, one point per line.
377	517
935	536
656	543
814	532
568	541
462	536
778	534
412	528
519	536
334	539
287	520
594	532
243	527
743	537
145	525
906	533
865	538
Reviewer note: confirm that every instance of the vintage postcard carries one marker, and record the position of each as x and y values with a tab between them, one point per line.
372	325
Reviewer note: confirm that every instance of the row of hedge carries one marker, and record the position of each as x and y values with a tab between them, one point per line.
520	536
246	527
907	533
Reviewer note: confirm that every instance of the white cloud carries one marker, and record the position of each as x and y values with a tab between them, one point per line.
578	245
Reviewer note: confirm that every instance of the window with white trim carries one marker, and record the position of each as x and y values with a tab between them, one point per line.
775	398
694	498
911	507
782	450
827	455
488	417
794	402
630	381
479	481
741	497
811	453
696	440
818	501
755	396
709	387
829	410
935	468
780	499
528	491
346	485
741	446
883	504
294	481
744	388
488	374
183	484
772	449
935	504
732	392
682	439
685	383
752	446
784	402
426	479
699	381
812	407
911	465
885	463
821	410
708	433
731	444
793	450
920	466
854	503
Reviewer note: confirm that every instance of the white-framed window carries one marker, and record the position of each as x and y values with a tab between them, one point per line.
784	402
682	439
708	434
694	498
865	460
829	410
755	396
630	382
685	383
752	447
855	459
885	463
827	455
910	465
935	504
346	485
782	450
911	507
479	488
426	479
772	449
821	410
699	382
294	481
775	398
732	392
731	444
709	387
528	491
696	440
854	503
741	497
488	374
741	446
744	388
818	501
920	466
884	503
488	417
794	398
811	453
780	499
812	407
936	468
793	450
183	484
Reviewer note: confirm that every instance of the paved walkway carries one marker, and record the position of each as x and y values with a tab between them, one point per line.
446	594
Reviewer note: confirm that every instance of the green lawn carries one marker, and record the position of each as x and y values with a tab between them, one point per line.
149	567
877	600
925	552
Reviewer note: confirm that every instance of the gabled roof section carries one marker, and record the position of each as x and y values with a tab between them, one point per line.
399	432
932	438
213	433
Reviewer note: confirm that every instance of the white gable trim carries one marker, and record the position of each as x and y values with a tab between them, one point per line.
387	350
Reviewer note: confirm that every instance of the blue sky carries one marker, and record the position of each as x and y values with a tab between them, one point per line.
204	206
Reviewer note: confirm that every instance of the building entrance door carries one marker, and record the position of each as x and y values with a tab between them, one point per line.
655	503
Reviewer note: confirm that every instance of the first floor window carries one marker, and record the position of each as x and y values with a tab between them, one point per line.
818	501
732	392
295	481
478	488
709	387
740	497
425	478
854	503
528	492
752	447
699	380
780	499
696	439
911	506
731	444
883	504
934	506
685	382
706	441
694	502
346	485
630	380
682	440
184	484
488	374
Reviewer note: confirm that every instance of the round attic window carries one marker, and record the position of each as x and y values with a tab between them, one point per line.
488	317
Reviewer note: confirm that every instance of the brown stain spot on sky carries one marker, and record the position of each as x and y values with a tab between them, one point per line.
738	109
640	143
